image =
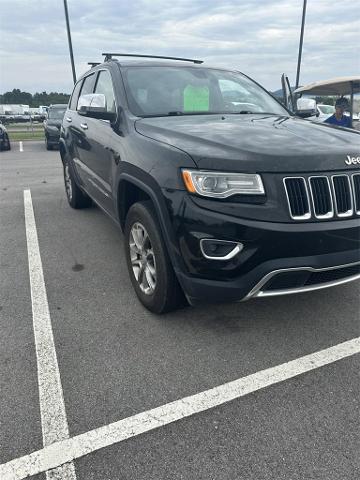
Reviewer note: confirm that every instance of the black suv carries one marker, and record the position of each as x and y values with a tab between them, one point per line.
221	192
52	125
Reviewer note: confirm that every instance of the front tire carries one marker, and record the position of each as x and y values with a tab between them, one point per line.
7	143
76	197
150	269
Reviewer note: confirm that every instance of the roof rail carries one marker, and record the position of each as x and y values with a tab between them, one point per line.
94	64
108	56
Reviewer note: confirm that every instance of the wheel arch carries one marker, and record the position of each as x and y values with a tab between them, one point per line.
131	190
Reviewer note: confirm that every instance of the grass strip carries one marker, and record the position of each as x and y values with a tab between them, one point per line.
23	136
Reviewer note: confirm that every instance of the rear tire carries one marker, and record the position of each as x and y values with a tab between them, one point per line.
150	269
76	197
47	144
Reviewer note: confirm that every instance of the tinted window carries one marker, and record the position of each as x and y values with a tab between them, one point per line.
188	90
104	86
88	85
75	96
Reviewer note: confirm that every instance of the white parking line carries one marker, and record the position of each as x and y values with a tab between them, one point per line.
21	148
64	451
52	408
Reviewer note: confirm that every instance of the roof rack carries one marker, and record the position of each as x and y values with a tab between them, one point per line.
108	56
94	64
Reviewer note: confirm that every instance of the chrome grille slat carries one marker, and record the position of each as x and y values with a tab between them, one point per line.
323	196
297	197
356	191
343	196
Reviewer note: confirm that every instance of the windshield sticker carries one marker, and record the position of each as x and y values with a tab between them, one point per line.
196	99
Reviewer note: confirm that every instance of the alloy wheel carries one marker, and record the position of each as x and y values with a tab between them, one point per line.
68	184
142	258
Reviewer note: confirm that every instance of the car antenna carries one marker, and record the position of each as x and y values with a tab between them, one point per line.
108	56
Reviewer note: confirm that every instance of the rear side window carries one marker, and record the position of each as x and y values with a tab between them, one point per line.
88	85
104	85
75	96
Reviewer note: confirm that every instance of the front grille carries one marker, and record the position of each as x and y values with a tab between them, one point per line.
335	196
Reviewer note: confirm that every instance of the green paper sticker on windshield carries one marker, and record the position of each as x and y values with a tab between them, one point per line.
196	99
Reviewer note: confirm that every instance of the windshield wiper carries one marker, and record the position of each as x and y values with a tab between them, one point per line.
176	113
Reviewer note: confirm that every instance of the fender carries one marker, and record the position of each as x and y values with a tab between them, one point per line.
160	209
63	148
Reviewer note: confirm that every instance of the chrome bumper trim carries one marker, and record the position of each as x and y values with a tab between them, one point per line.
238	248
256	292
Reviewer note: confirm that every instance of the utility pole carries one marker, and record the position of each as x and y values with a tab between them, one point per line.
69	40
301	44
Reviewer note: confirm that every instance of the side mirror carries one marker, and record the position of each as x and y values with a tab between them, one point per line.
305	113
305	107
93	105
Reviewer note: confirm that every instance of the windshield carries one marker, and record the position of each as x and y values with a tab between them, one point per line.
327	109
161	91
56	113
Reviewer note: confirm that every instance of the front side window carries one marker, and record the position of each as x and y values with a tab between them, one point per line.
88	86
104	85
75	96
160	91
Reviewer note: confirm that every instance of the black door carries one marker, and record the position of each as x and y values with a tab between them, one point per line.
96	156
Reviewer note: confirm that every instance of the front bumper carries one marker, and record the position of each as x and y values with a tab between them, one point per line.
277	258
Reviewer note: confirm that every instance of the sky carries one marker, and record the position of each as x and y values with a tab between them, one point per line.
257	37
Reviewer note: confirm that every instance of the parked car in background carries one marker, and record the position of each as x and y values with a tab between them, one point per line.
52	125
324	112
356	116
43	109
4	138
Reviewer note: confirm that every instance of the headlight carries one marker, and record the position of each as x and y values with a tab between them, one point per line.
222	185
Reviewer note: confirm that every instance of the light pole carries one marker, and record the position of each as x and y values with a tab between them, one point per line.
300	44
69	40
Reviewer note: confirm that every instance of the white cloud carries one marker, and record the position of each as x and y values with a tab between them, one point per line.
258	37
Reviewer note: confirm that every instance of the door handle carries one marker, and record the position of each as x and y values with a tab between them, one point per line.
68	119
84	126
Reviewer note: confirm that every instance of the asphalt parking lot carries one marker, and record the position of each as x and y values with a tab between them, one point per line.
116	360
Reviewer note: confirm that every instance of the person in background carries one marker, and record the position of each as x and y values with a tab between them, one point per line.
338	118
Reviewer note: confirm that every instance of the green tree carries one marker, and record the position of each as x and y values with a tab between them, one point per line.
16	96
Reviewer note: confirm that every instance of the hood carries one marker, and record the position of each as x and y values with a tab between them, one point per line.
254	143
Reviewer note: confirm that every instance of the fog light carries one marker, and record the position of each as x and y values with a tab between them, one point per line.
219	249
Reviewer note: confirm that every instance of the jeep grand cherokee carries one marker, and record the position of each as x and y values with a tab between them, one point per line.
222	194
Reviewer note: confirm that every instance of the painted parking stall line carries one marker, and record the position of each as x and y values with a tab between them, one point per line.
52	407
60	453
